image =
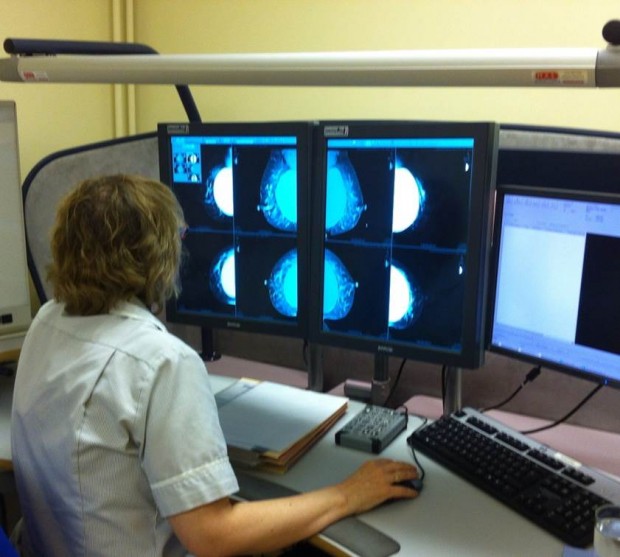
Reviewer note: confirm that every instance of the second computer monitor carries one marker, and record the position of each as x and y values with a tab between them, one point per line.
401	219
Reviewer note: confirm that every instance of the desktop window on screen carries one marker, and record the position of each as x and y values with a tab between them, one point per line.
557	298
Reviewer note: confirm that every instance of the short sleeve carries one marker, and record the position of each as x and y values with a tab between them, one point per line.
184	453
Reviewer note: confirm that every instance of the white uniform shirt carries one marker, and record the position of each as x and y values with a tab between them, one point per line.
114	428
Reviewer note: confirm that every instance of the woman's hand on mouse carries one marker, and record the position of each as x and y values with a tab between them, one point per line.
377	481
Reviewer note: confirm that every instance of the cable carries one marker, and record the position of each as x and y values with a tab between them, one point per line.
532	374
444	370
395	382
405	412
564	418
413	453
304	352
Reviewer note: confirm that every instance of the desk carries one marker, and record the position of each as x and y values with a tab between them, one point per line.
449	518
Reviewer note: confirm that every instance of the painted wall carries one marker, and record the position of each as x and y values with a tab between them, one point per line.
57	116
52	117
227	26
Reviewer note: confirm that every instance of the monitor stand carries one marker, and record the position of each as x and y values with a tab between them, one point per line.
452	390
208	353
378	390
315	367
380	386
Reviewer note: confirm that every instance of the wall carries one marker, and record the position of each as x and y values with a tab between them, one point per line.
52	117
229	26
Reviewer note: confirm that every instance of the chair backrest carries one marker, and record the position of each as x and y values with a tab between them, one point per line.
52	177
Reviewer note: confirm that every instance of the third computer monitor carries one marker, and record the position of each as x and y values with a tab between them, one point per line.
400	237
557	271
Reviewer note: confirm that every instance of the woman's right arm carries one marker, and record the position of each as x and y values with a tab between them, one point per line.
222	528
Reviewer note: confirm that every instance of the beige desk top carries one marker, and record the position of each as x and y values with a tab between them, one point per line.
450	518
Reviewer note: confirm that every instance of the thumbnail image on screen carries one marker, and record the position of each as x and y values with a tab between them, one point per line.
403	232
242	190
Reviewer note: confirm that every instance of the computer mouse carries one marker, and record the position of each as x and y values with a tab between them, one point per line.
411	484
415	483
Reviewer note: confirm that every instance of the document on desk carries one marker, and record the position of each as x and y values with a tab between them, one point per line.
270	425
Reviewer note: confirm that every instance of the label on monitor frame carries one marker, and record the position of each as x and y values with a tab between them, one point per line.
336	131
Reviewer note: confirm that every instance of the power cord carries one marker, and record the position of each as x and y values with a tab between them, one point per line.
304	352
395	382
402	409
413	453
564	418
444	371
532	374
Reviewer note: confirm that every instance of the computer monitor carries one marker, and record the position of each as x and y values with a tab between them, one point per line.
554	293
558	158
400	239
15	310
244	191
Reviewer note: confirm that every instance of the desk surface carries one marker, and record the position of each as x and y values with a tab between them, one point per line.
450	517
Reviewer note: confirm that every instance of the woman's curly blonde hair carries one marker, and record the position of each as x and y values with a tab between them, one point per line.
116	238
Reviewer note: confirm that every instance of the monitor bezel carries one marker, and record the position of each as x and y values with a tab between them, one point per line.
502	191
558	158
486	140
302	131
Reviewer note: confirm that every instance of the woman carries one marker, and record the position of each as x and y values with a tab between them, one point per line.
117	448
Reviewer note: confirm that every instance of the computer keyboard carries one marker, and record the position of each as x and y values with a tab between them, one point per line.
549	488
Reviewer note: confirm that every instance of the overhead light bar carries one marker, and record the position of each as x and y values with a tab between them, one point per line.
563	67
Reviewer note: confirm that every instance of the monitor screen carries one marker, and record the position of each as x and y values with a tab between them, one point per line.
555	289
401	232
244	192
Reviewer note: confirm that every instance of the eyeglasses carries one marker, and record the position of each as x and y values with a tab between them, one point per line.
183	231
